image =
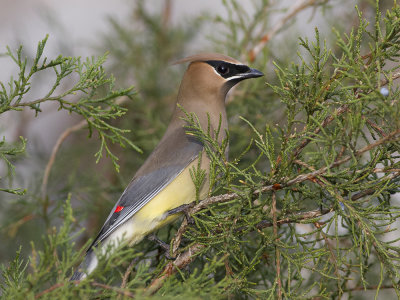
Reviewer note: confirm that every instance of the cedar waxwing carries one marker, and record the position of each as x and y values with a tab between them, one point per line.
164	182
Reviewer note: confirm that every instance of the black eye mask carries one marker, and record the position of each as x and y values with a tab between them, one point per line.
227	70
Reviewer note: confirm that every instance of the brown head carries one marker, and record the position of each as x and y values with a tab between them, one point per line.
206	83
212	74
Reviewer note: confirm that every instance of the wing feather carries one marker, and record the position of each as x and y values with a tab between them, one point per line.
172	155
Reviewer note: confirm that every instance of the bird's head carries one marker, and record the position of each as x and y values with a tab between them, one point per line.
212	74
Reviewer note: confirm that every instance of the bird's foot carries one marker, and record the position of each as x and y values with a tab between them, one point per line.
163	245
182	209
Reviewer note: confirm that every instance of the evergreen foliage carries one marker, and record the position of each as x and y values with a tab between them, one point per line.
307	205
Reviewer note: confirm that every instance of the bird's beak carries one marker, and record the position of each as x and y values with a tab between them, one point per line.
252	73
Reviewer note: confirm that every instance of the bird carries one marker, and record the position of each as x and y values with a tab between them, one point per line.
164	182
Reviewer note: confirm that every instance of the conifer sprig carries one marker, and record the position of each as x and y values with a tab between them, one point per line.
80	86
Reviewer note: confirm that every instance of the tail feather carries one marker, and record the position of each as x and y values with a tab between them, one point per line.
88	264
78	276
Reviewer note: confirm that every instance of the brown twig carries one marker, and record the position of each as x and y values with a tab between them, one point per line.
178	237
296	218
12	229
372	190
166	14
113	288
50	289
57	146
342	109
394	76
375	126
181	261
303	164
373	287
127	272
277	253
54	151
386	170
294	10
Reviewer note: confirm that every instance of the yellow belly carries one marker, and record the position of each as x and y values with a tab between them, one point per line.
153	215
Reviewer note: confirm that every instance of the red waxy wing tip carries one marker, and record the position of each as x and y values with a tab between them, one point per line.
118	209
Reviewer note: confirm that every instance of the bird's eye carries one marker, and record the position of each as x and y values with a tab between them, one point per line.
223	69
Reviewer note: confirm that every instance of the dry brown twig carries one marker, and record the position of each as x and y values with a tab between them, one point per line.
180	262
341	110
120	291
63	136
363	288
54	151
296	218
293	11
127	272
394	76
277	252
50	289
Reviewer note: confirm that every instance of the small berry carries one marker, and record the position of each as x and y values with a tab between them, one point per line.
384	92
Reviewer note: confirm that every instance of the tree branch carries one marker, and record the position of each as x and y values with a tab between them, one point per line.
113	288
188	256
342	109
181	261
277	252
50	289
385	81
54	151
58	144
295	9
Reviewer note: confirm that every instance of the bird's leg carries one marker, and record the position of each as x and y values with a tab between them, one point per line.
183	208
162	244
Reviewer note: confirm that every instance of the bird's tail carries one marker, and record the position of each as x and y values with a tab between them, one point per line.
88	264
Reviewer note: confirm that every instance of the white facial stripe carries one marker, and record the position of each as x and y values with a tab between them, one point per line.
234	77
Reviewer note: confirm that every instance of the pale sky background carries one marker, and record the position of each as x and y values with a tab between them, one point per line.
76	29
79	23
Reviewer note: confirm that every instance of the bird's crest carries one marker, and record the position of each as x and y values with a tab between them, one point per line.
207	57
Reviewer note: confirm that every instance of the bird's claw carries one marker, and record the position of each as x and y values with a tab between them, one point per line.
182	209
163	245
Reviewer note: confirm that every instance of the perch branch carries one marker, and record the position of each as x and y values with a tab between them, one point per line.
188	256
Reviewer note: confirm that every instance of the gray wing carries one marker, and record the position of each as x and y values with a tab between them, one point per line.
172	155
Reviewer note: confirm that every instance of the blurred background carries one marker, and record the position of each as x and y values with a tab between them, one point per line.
88	28
141	38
